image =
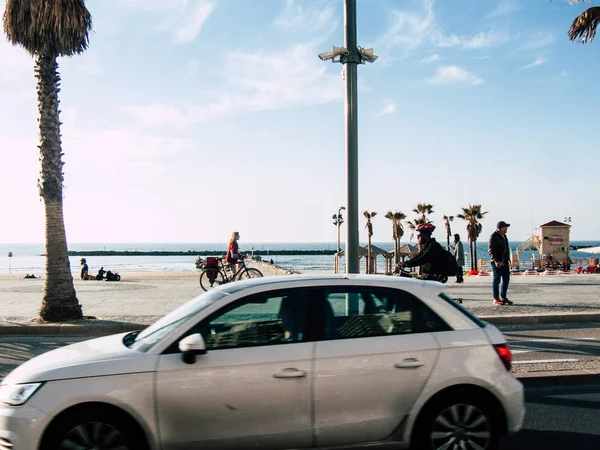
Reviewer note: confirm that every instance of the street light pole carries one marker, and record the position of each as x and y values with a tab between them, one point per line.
351	55
351	109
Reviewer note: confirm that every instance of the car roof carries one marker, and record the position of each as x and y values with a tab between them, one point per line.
286	281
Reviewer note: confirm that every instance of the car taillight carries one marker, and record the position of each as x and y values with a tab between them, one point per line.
505	354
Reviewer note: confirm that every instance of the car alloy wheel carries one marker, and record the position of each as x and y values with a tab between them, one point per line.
461	426
94	436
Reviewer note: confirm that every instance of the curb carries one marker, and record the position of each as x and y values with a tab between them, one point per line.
561	380
68	329
531	319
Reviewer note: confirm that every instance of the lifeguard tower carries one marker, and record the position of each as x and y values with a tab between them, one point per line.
552	244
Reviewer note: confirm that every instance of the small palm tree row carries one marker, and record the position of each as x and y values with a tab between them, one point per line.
397	231
47	30
423	210
369	226
473	215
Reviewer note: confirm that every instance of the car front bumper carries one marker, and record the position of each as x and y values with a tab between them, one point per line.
21	427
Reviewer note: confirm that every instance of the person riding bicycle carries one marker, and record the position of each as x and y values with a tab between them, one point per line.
430	257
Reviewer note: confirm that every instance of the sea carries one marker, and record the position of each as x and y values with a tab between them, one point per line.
29	259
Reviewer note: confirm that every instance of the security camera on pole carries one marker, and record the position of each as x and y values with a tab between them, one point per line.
351	55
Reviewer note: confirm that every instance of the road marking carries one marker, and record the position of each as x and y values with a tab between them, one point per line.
545	361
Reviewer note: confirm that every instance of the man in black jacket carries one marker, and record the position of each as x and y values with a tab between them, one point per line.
431	256
499	252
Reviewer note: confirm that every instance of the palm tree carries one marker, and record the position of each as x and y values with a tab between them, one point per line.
424	209
447	220
369	227
47	30
414	224
473	215
397	231
583	28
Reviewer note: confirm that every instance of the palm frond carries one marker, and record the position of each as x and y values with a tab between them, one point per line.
42	27
583	28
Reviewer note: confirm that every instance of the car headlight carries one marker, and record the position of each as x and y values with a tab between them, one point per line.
17	394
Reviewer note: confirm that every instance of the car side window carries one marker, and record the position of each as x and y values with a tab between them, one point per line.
257	320
367	312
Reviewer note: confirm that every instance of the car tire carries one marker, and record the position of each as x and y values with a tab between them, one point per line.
94	428
456	418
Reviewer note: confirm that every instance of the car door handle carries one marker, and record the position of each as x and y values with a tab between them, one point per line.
409	363
290	373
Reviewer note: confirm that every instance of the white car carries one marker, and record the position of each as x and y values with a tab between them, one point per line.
284	362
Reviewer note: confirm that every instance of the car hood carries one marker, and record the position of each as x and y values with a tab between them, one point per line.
94	358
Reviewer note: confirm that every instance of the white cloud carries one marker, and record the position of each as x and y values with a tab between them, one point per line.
535	41
253	82
431	58
408	30
191	23
478	41
295	15
451	75
89	64
506	7
14	61
538	61
388	108
183	19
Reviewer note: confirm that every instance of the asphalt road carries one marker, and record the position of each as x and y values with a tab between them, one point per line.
559	418
554	347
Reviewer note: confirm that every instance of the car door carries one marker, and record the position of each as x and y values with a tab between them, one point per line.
252	389
371	362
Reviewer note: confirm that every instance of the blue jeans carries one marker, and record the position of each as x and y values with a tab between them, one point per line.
504	273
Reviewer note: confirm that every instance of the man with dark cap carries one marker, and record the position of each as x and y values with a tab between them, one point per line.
499	252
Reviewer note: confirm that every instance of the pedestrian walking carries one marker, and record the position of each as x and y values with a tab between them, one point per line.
499	252
459	254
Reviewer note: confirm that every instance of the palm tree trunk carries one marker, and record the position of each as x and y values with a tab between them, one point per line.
475	253
368	265
60	301
471	254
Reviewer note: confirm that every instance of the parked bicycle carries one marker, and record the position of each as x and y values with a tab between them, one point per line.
216	272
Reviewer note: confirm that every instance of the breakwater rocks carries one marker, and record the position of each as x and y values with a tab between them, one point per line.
197	252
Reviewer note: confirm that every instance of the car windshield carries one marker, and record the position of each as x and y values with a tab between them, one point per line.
166	325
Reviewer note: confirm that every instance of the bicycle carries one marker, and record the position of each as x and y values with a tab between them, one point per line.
215	275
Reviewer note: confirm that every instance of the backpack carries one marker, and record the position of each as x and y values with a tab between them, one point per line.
451	266
211	266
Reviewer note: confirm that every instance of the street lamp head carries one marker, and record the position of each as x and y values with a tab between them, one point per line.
325	56
335	51
368	55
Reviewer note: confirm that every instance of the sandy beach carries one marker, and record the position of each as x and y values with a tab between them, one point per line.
142	297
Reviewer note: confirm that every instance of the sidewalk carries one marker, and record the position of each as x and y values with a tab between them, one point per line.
141	298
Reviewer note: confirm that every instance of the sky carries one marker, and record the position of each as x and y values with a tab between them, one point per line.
189	119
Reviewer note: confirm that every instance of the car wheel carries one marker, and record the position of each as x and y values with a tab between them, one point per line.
457	422
89	429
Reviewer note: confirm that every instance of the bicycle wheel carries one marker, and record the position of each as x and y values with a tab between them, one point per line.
211	279
250	273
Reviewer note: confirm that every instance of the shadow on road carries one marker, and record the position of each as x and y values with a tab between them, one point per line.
530	439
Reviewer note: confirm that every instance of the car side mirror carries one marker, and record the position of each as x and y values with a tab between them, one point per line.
191	346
